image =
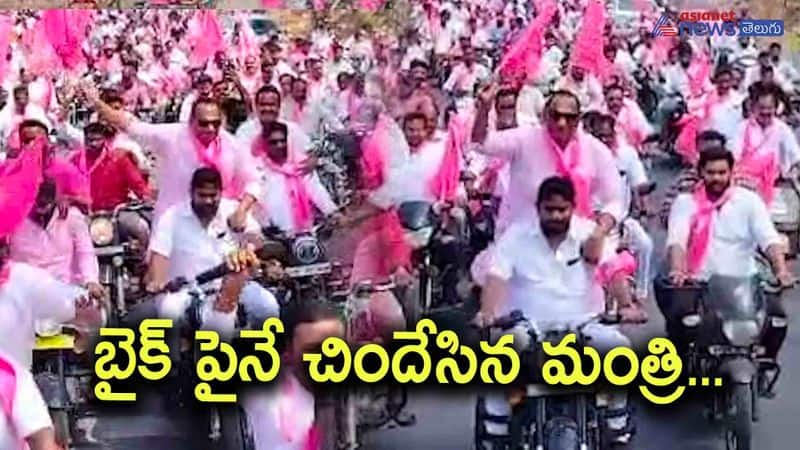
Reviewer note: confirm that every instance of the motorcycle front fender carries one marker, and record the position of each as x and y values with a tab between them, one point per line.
738	370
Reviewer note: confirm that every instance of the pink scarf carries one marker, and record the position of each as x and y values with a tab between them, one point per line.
700	228
373	158
289	422
298	194
759	165
445	184
569	164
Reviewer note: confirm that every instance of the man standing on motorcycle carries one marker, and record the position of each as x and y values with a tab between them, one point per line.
289	191
283	415
208	146
194	236
765	147
717	229
112	179
545	268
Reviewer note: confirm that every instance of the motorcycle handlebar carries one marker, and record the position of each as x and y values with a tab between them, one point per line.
209	275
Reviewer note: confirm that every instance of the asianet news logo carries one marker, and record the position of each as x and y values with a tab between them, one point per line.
715	23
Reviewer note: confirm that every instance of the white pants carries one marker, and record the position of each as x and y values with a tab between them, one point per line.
601	337
642	246
259	304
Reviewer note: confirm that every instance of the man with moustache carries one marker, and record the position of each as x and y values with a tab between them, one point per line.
194	236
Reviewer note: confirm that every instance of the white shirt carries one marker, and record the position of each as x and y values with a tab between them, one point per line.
186	107
31	294
298	140
532	161
781	141
632	172
738	228
275	206
422	166
726	115
546	285
192	249
263	408
29	413
173	146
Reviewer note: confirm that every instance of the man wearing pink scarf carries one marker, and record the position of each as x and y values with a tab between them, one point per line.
716	230
765	147
557	148
182	148
632	122
289	191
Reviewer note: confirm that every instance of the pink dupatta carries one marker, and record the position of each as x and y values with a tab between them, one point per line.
19	182
758	165
700	227
569	164
290	421
294	178
445	184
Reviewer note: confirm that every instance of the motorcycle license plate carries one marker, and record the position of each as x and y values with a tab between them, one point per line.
309	270
546	390
57	342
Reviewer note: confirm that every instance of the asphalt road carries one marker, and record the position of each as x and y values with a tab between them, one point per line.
444	421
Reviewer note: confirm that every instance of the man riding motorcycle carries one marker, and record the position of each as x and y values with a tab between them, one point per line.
546	270
716	230
195	236
289	192
112	179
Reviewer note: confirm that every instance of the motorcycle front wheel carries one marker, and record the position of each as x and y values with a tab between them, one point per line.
561	434
739	426
235	430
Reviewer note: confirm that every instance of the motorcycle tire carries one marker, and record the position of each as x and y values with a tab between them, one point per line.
561	434
63	430
235	429
739	426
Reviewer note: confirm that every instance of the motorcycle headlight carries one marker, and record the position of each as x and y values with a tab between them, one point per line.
306	250
102	231
740	332
691	320
419	238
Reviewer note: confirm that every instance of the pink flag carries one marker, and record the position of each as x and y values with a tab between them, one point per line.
320	4
522	59
371	5
445	184
587	51
19	182
66	31
248	43
272	4
205	32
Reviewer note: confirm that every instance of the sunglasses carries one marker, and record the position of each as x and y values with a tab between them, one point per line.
569	117
209	123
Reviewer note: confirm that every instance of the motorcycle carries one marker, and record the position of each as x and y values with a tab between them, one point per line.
438	254
121	262
785	213
62	377
305	263
228	425
546	417
724	328
359	410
